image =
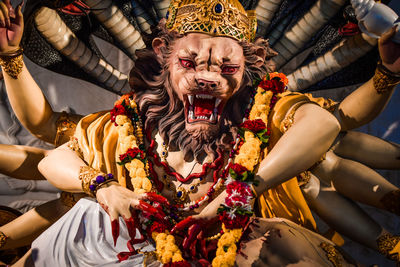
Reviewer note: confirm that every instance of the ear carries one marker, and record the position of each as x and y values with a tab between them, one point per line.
261	53
158	44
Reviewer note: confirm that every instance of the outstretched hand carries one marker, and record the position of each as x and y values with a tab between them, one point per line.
119	201
11	26
390	51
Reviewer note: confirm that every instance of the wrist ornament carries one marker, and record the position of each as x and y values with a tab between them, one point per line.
12	62
3	239
384	79
93	180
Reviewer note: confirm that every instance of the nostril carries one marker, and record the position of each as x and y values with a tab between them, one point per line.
213	85
201	84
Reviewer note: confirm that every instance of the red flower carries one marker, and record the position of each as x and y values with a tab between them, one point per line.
122	157
254	125
349	29
156	227
117	110
242	188
133	152
239	221
237	168
275	85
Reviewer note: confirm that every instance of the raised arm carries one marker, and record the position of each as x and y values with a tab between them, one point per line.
368	101
312	133
26	98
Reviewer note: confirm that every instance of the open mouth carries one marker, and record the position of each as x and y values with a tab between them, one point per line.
203	107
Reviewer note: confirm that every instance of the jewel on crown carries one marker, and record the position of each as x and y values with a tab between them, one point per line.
225	18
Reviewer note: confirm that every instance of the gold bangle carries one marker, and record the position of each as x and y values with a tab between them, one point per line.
87	175
3	239
384	80
12	63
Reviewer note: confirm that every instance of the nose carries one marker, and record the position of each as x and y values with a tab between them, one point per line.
207	85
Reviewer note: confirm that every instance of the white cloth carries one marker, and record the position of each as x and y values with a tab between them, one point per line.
82	237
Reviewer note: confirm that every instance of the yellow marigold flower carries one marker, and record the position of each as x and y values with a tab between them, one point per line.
166	257
127	142
177	257
125	130
135	164
122	119
146	185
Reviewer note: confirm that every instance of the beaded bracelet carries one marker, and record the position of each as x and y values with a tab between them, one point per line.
100	181
92	180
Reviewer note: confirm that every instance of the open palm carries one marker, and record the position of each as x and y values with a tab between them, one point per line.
11	26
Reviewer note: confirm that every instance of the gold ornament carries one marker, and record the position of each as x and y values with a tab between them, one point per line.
332	254
87	175
3	239
63	124
384	80
12	63
389	246
225	18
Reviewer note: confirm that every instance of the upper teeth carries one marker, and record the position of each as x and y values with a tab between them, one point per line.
202	96
217	102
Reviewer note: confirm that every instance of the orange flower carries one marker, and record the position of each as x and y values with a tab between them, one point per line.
124	98
280	75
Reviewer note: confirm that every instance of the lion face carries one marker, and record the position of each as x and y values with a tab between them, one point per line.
205	72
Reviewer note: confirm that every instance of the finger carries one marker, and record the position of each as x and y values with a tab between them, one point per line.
193	251
182	225
146	207
19	17
130	225
388	35
115	230
114	216
4	10
193	231
157	198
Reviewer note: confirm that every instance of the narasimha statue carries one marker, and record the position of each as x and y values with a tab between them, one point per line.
209	127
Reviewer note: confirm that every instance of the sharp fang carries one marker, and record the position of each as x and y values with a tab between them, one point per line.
212	118
191	115
217	102
190	98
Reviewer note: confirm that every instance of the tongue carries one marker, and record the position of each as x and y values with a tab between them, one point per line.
203	107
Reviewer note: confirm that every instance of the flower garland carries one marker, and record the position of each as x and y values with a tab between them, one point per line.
131	155
235	212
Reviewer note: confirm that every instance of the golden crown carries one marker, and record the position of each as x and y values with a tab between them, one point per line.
215	17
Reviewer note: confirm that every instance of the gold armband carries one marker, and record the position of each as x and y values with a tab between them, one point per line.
288	121
384	80
63	124
3	239
87	175
12	63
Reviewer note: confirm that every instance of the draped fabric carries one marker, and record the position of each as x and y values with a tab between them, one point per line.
98	141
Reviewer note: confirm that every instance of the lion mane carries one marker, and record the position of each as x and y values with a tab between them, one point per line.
161	109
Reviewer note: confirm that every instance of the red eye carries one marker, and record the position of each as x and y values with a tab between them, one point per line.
188	64
229	69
